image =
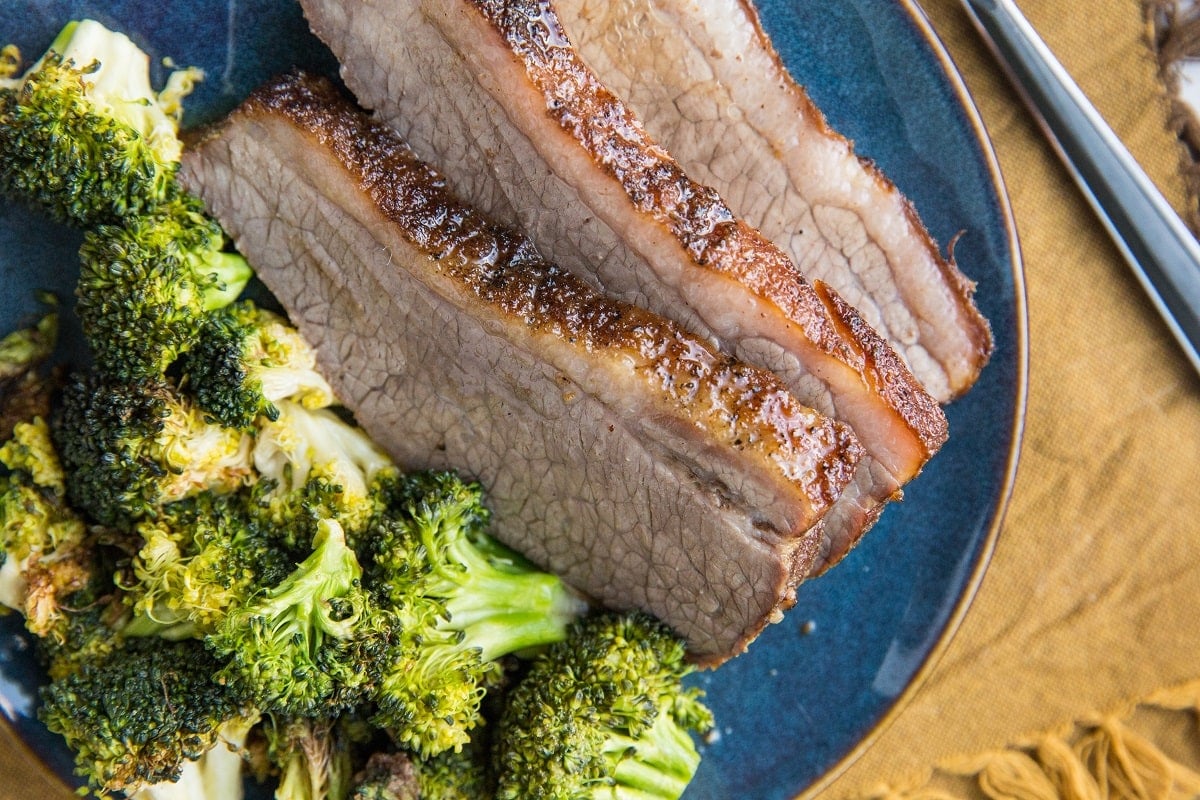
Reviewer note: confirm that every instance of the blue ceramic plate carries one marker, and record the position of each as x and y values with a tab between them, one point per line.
815	689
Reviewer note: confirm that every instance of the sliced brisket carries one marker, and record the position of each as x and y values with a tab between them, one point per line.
618	450
494	93
706	81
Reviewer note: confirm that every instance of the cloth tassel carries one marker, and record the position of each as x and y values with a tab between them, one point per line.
1070	775
1098	759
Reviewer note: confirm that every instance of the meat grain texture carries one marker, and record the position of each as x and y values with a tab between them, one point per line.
707	82
619	451
495	94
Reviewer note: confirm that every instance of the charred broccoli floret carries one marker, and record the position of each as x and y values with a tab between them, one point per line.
602	714
147	284
314	465
245	360
45	552
461	602
135	718
129	448
82	133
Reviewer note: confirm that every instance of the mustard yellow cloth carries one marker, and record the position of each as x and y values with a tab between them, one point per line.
1091	598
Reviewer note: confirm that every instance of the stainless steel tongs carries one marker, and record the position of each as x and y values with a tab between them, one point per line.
1163	253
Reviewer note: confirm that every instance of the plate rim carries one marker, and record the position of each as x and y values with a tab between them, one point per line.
11	737
958	87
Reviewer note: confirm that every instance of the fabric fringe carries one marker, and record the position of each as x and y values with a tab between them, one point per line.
1104	758
1174	34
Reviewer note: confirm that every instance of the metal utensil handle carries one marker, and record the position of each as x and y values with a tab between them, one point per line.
1162	251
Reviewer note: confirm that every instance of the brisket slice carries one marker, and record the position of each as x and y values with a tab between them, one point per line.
706	81
495	95
618	450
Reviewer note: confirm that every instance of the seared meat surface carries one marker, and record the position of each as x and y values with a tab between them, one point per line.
709	86
494	93
619	451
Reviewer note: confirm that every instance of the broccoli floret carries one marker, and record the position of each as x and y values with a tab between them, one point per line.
314	465
453	775
147	284
82	133
90	626
129	448
293	648
44	547
216	775
602	714
462	601
457	774
31	451
245	360
136	717
199	558
387	776
25	387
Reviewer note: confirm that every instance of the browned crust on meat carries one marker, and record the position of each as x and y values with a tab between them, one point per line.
889	374
738	406
694	214
972	322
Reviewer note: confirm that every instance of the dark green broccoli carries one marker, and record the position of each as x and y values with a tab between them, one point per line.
199	558
129	448
245	360
313	465
602	714
461	602
292	649
137	717
147	284
82	133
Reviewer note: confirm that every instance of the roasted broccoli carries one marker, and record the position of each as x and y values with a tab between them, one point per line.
82	133
129	448
314	756
147	284
53	569
602	714
461	601
314	465
452	775
387	776
292	649
26	386
245	360
199	558
135	718
45	553
464	774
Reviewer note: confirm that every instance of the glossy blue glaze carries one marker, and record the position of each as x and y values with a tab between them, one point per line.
801	701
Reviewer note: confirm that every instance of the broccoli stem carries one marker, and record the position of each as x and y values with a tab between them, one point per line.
503	613
232	273
665	762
